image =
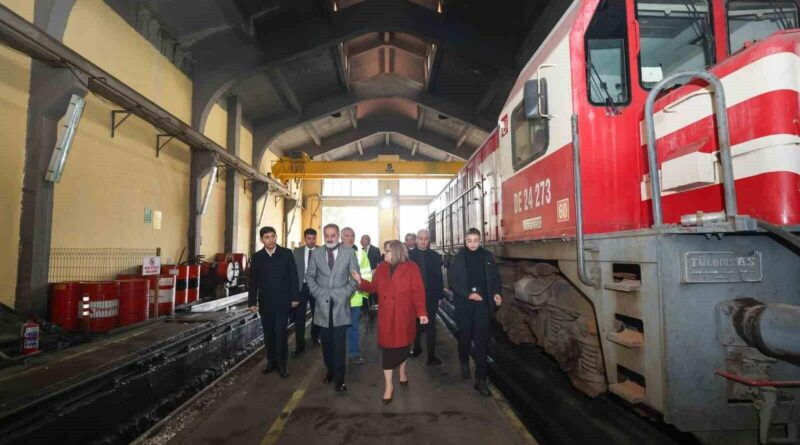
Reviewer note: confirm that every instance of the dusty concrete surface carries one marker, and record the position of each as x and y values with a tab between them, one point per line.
437	407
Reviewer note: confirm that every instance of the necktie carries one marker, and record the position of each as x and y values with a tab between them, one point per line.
308	257
330	258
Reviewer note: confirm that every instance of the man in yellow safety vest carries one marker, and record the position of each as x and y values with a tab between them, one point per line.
356	302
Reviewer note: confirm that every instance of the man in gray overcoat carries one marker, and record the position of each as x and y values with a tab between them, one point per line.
328	279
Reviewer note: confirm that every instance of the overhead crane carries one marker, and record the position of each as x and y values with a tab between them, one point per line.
306	168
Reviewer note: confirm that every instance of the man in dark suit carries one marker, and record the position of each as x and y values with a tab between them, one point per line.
430	266
373	253
374	257
301	256
411	241
274	290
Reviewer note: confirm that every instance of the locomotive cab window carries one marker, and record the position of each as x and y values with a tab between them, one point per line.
675	35
607	55
529	137
750	21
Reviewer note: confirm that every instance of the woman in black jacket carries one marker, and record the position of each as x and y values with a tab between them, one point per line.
476	285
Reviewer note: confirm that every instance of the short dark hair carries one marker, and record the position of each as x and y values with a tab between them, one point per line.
332	226
265	230
412	235
309	231
473	231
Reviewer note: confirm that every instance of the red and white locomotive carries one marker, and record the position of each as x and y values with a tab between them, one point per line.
687	303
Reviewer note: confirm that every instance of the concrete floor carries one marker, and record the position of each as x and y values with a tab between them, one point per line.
437	407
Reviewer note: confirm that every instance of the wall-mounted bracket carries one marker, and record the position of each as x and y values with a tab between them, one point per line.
114	124
159	144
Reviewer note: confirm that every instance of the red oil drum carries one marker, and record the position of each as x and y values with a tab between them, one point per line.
181	274
152	288
241	259
133	299
193	291
65	304
100	305
166	295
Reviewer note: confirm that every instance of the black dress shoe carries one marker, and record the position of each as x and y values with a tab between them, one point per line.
465	371
404	383
482	388
327	379
298	351
283	372
433	361
341	388
269	368
415	352
389	400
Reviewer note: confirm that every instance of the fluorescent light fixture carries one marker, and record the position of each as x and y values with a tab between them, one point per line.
207	196
66	134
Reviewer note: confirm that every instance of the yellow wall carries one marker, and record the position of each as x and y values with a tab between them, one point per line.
312	214
14	87
213	227
246	145
96	32
273	214
217	125
107	183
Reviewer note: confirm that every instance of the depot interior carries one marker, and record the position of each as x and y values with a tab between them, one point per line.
144	147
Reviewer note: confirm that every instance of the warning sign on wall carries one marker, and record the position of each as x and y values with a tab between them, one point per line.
151	265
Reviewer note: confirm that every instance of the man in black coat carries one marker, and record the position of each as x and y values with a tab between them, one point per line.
430	266
373	253
274	289
475	280
301	257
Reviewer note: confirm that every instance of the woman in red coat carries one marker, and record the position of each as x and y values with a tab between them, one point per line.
401	299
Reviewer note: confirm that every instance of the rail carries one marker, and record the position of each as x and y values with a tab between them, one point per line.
576	173
723	139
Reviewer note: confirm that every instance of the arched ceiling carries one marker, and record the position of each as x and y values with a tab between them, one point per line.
350	79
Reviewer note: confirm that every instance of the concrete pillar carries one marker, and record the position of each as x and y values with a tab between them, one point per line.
50	93
203	162
233	178
260	196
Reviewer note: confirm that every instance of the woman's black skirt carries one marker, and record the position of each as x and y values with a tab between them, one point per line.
393	357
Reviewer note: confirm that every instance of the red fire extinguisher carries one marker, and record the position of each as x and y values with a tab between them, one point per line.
30	338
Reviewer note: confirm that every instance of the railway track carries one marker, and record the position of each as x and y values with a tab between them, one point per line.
554	412
115	404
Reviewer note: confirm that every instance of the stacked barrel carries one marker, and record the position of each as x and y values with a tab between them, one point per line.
181	274
65	304
102	306
99	306
193	283
133	301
